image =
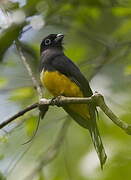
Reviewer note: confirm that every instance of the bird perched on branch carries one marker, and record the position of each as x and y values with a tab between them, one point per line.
62	77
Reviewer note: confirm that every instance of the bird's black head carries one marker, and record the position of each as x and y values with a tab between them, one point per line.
52	41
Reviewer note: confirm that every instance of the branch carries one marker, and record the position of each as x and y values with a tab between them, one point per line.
28	68
62	100
101	103
96	99
20	113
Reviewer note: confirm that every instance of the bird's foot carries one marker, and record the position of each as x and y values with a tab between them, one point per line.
56	101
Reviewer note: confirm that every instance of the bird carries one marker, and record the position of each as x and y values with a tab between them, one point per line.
61	76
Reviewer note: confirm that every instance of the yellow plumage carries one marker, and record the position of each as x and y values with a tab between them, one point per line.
58	84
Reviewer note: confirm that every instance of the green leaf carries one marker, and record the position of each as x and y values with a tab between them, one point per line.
41	176
7	38
124	29
128	70
22	94
31	124
77	55
2	176
3	139
121	11
3	82
1	156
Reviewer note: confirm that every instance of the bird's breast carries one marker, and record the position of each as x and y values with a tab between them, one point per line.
59	84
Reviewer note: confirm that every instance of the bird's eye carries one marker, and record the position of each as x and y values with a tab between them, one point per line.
47	41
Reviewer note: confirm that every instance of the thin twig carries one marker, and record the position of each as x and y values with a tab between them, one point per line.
20	113
27	66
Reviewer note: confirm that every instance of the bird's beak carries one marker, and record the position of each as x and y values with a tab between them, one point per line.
59	38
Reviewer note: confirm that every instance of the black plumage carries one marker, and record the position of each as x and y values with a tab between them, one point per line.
53	59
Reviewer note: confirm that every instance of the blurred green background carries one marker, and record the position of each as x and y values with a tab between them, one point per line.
98	39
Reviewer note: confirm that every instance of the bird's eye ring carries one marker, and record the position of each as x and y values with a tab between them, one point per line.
47	41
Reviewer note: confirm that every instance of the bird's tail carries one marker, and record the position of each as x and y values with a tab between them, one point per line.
91	125
96	139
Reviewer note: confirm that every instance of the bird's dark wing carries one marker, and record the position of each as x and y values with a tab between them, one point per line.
65	66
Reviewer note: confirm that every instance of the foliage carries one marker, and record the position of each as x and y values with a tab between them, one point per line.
97	38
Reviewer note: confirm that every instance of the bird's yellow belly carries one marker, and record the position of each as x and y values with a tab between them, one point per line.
58	84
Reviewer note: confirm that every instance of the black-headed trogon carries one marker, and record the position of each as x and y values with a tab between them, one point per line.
62	77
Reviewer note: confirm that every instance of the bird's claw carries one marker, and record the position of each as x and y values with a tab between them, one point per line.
56	101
